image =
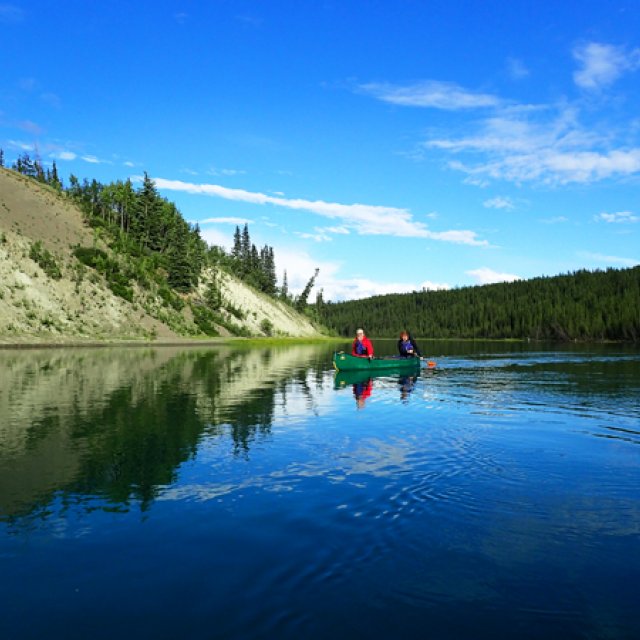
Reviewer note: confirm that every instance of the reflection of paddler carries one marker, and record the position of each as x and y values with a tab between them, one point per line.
362	390
407	383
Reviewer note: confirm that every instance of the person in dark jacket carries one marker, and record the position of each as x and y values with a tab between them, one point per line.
407	346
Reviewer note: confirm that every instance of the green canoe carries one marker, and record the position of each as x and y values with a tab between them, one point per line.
346	362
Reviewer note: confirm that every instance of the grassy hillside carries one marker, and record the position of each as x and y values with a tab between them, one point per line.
600	305
62	279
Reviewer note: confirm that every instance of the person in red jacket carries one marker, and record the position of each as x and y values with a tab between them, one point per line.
362	345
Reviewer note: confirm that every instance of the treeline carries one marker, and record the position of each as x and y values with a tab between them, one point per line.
584	305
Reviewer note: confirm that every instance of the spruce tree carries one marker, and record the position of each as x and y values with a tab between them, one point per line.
236	252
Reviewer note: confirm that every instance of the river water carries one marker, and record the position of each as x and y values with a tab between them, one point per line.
250	493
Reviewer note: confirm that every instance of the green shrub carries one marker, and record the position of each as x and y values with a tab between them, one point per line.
205	320
266	326
90	256
45	260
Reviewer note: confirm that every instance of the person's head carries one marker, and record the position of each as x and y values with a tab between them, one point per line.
359	334
404	335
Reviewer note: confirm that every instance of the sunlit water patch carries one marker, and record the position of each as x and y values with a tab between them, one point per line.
254	493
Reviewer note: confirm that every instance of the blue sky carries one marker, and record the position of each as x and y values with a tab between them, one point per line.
394	145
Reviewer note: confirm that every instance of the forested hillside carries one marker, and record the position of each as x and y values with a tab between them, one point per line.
114	260
600	305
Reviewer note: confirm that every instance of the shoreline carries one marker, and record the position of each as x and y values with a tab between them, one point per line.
30	342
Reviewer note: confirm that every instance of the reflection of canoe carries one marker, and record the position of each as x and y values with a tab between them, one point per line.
346	378
347	362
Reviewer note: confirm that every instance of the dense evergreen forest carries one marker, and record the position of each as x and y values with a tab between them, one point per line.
600	305
150	231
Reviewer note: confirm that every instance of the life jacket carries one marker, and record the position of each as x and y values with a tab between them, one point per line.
361	350
406	346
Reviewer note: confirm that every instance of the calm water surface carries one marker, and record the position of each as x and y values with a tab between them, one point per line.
220	493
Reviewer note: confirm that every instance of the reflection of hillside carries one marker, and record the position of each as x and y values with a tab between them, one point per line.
118	422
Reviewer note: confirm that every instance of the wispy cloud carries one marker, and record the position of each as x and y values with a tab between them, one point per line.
361	218
226	172
602	64
545	146
317	236
430	93
609	260
323	234
228	220
358	288
300	266
554	220
499	202
63	155
484	275
22	146
621	217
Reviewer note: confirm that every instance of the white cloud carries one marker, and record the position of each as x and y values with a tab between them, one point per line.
534	146
318	236
620	217
229	220
361	218
485	275
602	64
63	155
339	230
300	266
430	93
358	288
610	260
499	202
91	159
226	172
322	234
18	144
554	220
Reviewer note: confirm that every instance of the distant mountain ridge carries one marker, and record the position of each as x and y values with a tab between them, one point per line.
61	280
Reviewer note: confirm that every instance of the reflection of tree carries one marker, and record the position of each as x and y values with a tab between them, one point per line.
132	448
117	424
